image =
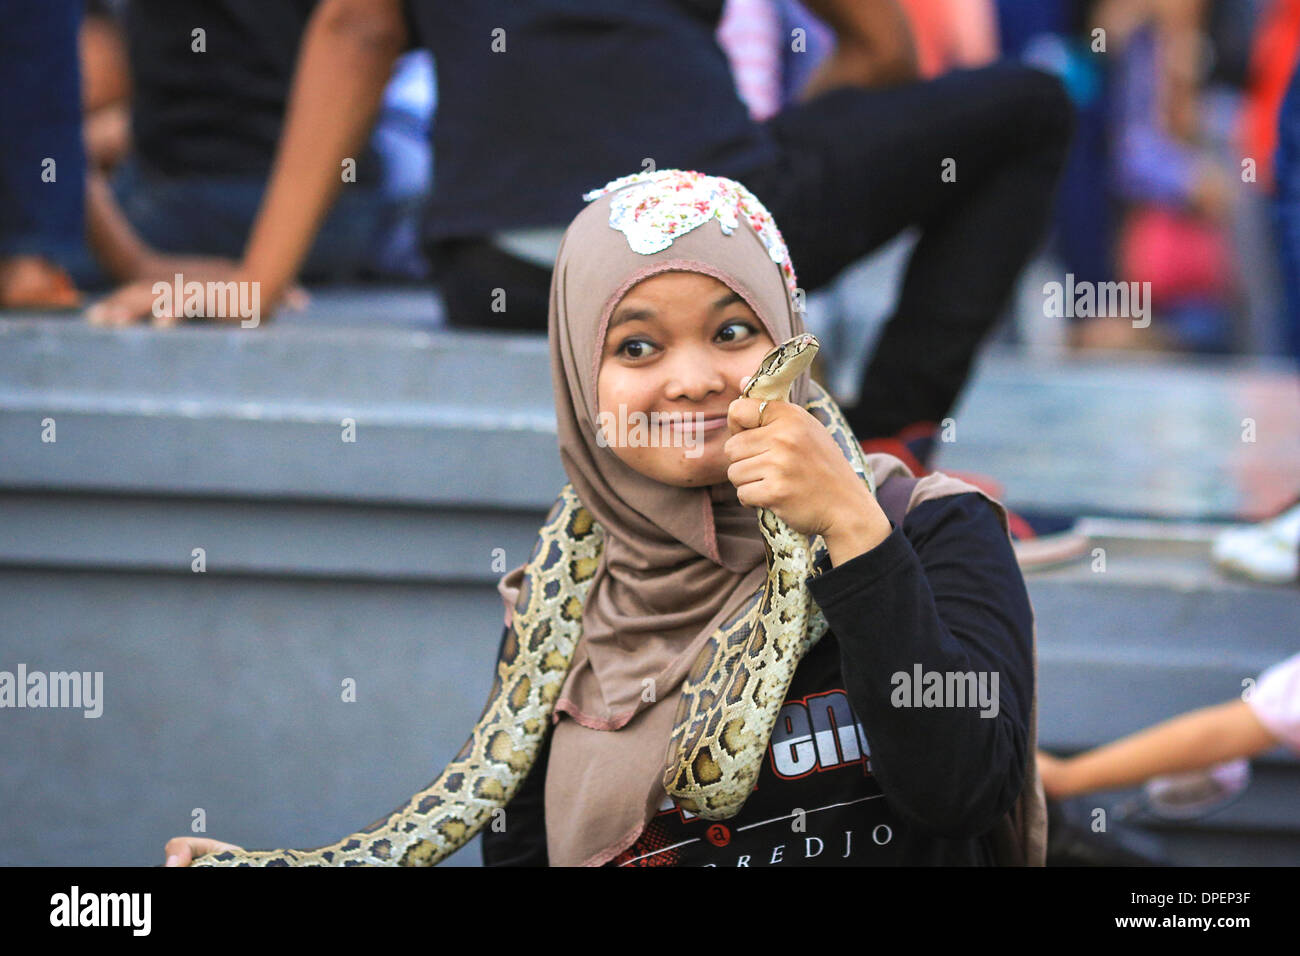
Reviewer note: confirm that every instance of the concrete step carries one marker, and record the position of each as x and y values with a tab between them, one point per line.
1164	437
1088	436
438	418
377	559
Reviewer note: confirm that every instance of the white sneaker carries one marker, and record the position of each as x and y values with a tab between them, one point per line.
1268	551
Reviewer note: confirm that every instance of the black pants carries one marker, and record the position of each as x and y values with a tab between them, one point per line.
971	158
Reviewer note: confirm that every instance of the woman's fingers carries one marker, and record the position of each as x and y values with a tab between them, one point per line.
138	301
297	299
750	468
751	494
125	306
743	413
1051	771
178	852
182	851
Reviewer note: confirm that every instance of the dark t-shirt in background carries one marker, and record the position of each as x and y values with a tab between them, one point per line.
217	112
584	92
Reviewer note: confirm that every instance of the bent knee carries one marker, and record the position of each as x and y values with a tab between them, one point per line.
1045	103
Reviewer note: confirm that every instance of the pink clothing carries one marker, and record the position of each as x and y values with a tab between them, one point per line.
750	34
1276	701
951	34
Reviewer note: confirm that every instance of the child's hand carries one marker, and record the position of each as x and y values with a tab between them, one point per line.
792	466
1052	770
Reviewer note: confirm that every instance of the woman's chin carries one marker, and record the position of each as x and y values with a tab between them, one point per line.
691	472
703	477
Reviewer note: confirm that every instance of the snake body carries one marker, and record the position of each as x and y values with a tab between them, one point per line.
728	704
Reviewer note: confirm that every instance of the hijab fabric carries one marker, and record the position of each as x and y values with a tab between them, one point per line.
677	561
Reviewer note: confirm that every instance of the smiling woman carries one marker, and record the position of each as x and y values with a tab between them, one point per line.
668	319
677	348
714	635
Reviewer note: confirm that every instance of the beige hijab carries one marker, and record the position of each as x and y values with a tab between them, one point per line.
677	561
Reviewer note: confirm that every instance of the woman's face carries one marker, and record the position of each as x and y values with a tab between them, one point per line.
676	348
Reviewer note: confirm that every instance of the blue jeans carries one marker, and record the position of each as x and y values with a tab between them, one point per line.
40	130
206	215
1286	212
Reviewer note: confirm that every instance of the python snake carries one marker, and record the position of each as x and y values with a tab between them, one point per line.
729	700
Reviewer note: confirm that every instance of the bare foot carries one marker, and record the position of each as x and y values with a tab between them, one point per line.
33	282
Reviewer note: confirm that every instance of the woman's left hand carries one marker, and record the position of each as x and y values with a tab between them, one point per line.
792	466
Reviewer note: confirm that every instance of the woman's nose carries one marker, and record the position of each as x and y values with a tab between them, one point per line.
694	377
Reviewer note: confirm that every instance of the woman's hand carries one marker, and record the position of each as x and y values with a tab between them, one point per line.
182	851
792	466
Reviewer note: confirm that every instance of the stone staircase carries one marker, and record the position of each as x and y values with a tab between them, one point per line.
371	563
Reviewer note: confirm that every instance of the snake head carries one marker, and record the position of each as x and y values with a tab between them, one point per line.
780	367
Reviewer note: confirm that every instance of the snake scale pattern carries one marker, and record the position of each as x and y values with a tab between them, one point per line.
728	704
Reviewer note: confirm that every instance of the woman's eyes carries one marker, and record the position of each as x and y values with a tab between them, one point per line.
743	325
636	343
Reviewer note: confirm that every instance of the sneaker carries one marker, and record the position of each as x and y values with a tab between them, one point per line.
1268	551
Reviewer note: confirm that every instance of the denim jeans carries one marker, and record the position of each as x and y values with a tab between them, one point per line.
207	215
42	160
1287	212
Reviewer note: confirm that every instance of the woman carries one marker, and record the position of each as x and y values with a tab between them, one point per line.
668	289
674	331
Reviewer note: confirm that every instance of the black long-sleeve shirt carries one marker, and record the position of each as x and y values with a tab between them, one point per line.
870	763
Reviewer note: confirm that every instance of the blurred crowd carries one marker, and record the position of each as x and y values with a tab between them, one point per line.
1061	173
1168	181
